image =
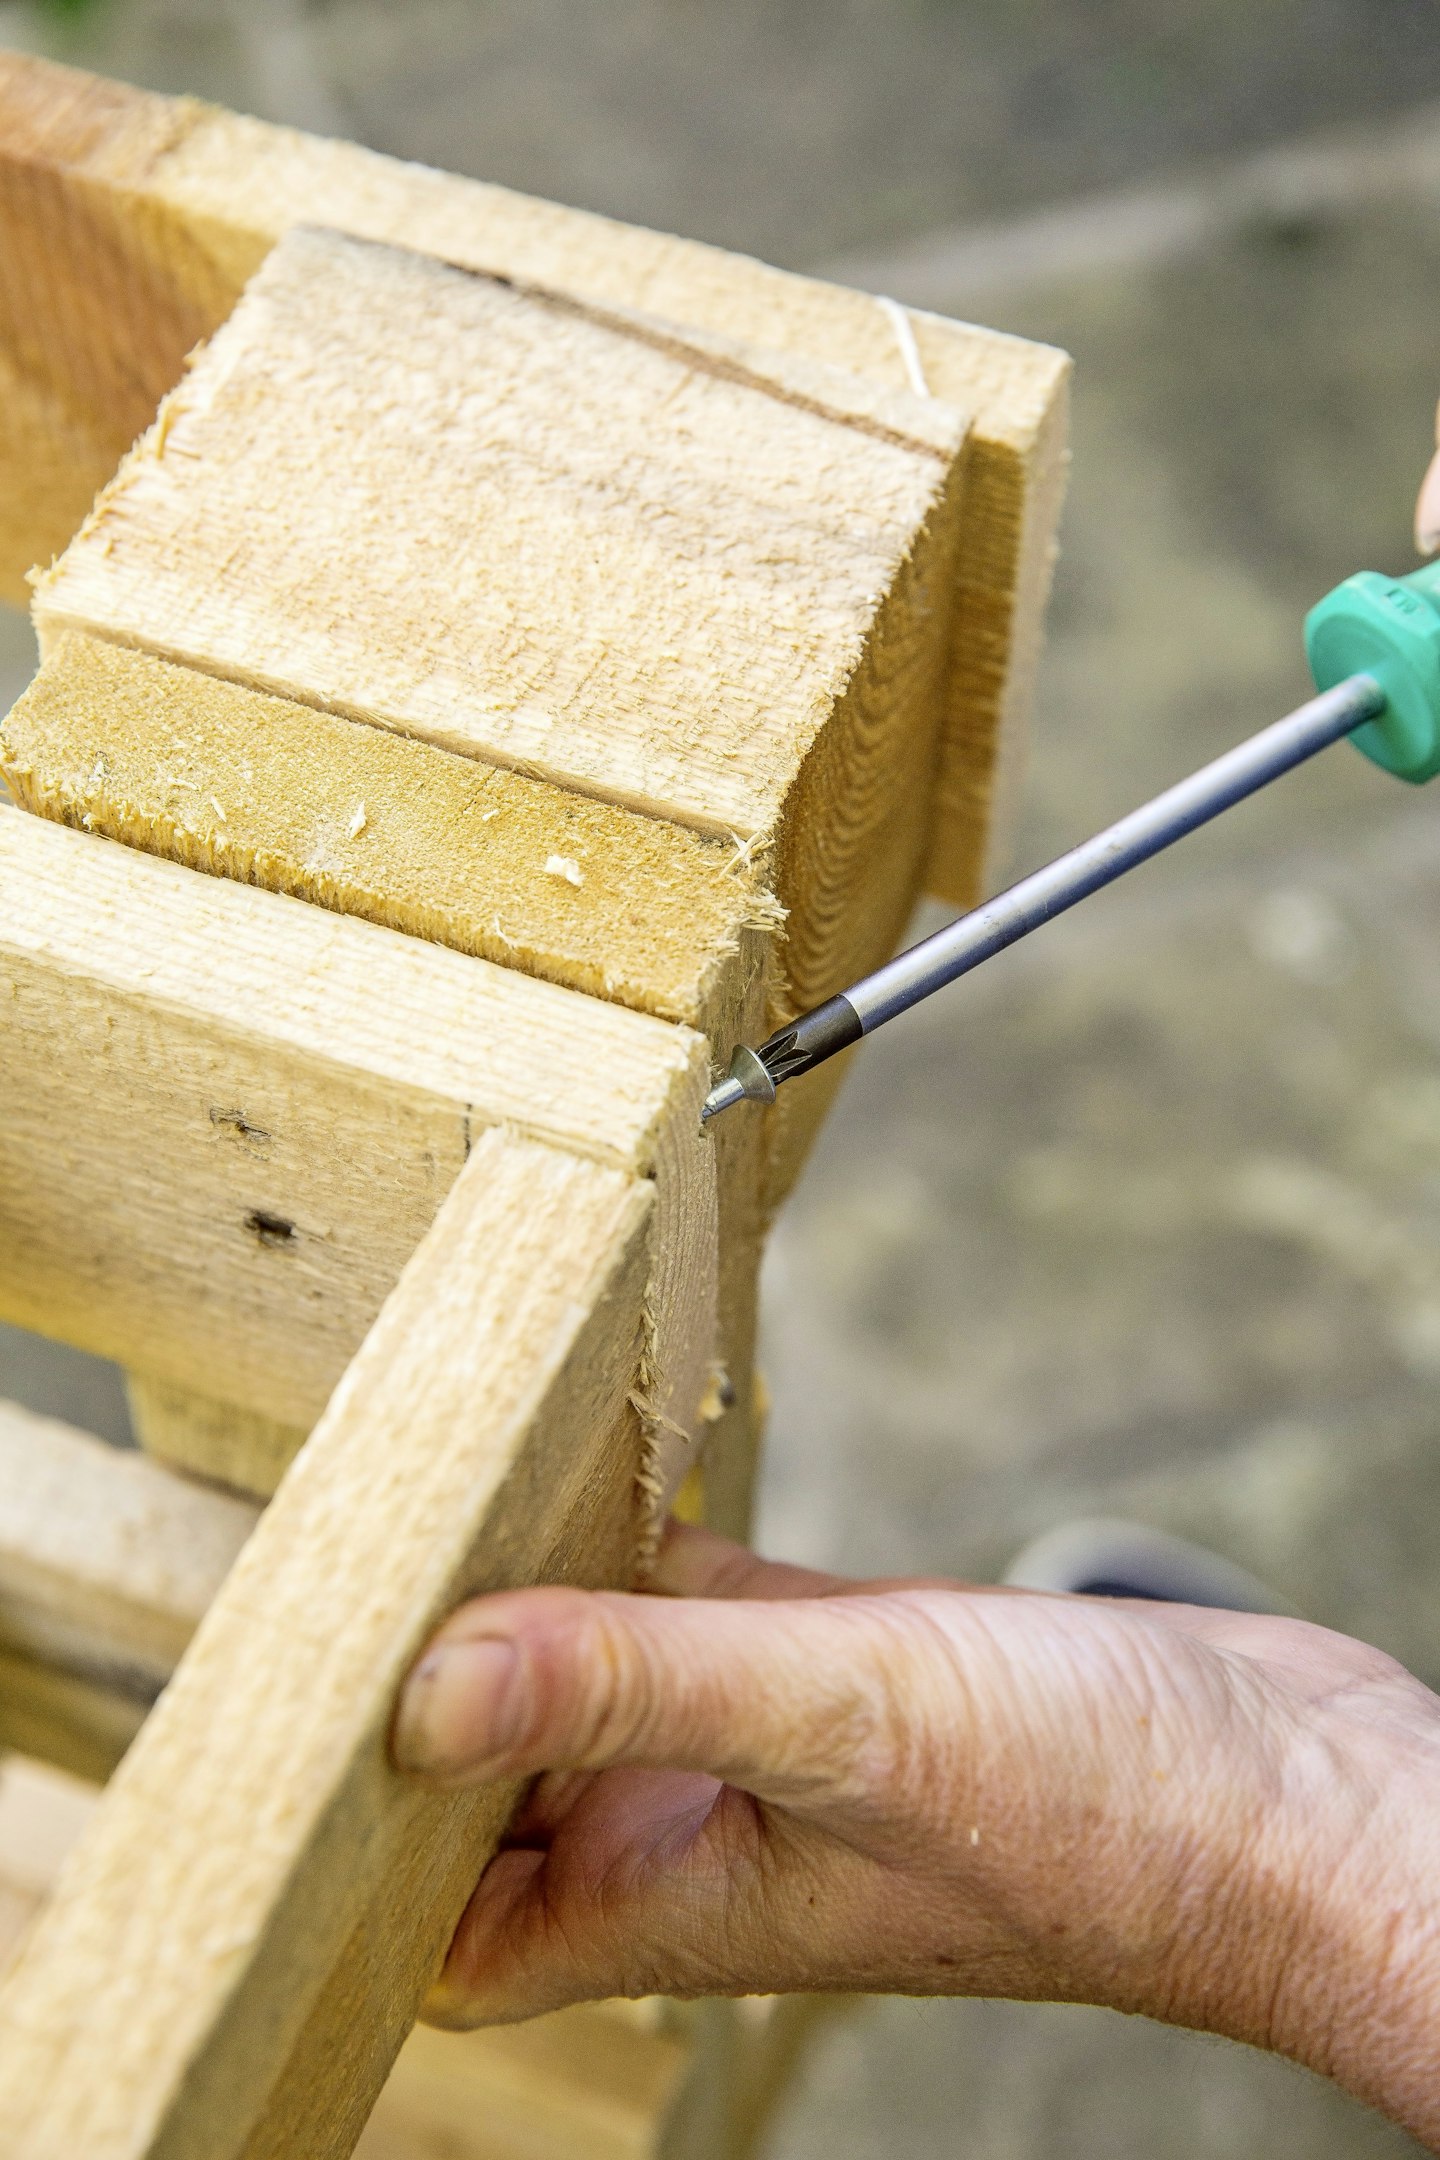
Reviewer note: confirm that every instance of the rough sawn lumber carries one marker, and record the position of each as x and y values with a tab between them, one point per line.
632	560
107	1565
130	222
721	653
206	1947
575	546
604	2081
227	1118
229	780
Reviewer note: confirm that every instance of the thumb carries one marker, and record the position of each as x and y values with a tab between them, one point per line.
791	1700
1427	509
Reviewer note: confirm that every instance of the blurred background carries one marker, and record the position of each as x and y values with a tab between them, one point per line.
1144	1220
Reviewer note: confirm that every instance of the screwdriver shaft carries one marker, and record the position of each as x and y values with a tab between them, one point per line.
1011	915
988	929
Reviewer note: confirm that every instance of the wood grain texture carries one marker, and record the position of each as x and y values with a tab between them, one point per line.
628	562
483	1436
107	1564
604	2081
65	1719
622	568
227	1118
203	1436
102	291
616	577
228	780
122	204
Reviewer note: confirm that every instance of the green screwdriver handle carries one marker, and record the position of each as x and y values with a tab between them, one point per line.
1388	628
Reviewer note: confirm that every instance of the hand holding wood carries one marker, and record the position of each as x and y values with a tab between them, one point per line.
764	1779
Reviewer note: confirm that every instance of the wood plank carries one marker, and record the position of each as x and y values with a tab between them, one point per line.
483	1436
66	1719
603	2081
89	1534
231	781
203	1436
149	214
578	545
227	1118
107	1564
108	737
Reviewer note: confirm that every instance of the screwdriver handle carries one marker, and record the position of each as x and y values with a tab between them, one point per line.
1389	628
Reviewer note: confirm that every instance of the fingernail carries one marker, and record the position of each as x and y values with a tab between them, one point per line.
461	1710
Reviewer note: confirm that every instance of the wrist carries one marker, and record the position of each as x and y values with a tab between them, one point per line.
1344	1917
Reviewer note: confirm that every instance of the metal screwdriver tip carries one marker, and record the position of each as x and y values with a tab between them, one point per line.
748	1080
723	1096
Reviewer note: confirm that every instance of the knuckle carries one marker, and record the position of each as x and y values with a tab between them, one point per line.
616	1696
890	1728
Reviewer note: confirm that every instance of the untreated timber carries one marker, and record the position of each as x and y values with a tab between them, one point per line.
67	1719
229	780
205	1436
107	737
109	1563
577	546
603	2081
227	1118
131	222
586	545
485	1435
106	1566
600	2082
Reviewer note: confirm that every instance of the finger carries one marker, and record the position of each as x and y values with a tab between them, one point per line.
698	1563
855	1736
787	1698
657	1887
1427	510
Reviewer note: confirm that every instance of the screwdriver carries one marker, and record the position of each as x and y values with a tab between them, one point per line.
1374	650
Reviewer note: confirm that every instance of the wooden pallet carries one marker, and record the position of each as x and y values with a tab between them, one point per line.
519	657
647	2080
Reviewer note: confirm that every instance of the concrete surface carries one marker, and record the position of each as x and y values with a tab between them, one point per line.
1145	1218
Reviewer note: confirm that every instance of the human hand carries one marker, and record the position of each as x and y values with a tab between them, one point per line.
1427	507
762	1779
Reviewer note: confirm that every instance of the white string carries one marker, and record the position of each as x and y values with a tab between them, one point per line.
899	321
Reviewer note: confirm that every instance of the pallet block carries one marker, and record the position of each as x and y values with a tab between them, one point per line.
519	658
130	224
